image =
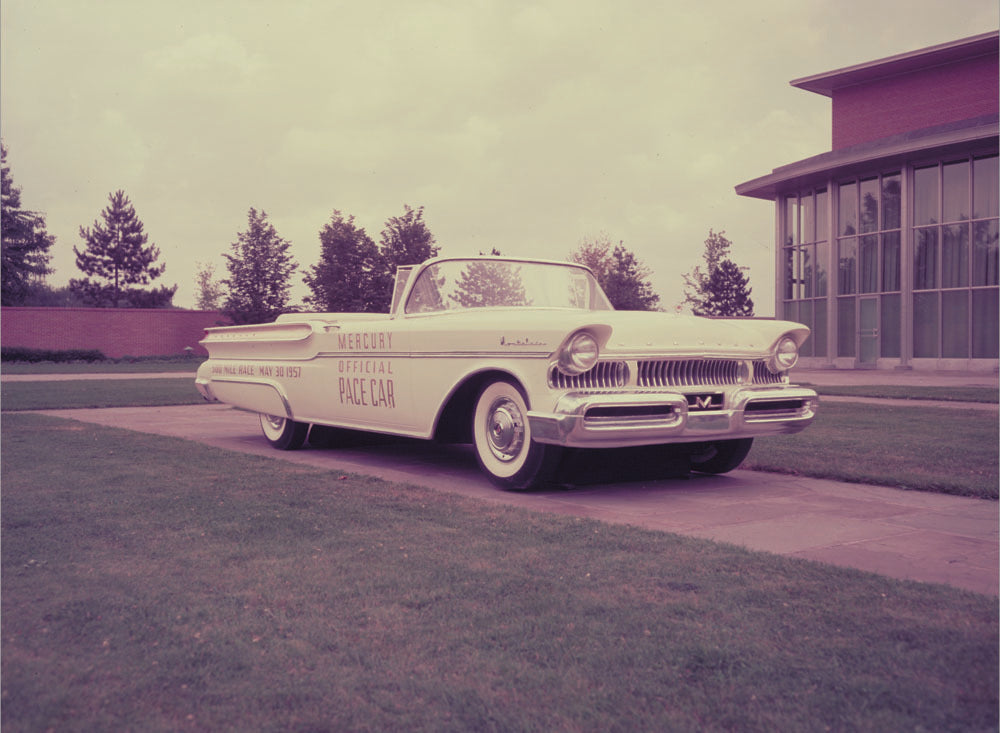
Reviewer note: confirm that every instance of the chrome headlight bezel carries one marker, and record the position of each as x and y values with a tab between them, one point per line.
579	354
784	356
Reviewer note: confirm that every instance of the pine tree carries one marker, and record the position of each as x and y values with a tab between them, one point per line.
260	269
348	276
116	256
483	283
721	289
24	242
728	292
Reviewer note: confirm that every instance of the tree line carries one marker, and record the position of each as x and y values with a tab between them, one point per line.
353	274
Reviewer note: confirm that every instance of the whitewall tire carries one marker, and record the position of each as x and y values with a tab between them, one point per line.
502	438
282	433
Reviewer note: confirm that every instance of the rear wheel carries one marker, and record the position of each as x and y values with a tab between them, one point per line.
282	433
722	456
502	437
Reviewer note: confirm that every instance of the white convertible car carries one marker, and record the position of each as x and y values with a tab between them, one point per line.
522	358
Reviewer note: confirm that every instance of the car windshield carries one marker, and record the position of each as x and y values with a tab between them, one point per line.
461	284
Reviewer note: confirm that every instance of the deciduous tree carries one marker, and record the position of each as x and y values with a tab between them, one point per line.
622	276
210	291
260	270
405	240
24	242
116	256
350	274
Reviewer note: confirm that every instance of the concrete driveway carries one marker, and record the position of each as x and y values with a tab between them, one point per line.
904	534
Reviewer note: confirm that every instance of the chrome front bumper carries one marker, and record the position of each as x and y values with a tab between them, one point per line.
608	420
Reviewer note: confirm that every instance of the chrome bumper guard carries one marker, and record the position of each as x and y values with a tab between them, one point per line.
607	420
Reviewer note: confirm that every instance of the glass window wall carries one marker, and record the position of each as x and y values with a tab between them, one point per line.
847	332
985	250
869	216
891	330
890	262
951	260
985	334
804	264
955	259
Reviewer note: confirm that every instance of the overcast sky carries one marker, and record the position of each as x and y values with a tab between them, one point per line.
526	126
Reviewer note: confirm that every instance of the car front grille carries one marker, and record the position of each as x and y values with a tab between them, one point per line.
700	372
659	373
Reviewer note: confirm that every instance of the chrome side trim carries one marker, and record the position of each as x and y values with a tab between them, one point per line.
205	387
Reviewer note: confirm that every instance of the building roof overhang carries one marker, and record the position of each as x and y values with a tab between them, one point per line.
946	53
875	156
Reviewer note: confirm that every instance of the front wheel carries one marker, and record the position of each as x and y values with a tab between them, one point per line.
282	433
722	456
502	438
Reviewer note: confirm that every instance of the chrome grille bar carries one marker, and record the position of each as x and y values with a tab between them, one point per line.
763	375
604	375
700	372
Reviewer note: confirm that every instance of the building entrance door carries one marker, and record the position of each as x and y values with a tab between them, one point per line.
867	331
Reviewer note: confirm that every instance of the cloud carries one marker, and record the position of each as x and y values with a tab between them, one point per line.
526	126
217	59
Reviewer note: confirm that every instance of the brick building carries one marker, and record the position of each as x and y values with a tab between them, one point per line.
887	245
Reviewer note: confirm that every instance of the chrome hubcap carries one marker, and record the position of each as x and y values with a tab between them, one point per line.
505	430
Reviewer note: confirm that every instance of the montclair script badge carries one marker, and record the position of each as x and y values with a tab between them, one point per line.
504	341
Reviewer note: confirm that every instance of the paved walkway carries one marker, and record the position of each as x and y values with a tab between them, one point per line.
904	534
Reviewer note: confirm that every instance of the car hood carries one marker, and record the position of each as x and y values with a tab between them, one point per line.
633	333
626	334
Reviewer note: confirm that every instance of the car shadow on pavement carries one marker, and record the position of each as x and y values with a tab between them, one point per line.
578	467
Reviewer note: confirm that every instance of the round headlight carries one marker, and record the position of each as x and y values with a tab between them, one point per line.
579	354
786	355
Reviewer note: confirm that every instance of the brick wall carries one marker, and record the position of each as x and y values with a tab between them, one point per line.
116	332
898	104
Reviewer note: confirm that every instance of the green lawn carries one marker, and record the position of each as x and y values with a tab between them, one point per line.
157	584
906	392
98	393
947	450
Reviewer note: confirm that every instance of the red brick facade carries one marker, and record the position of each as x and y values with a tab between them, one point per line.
897	104
116	332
